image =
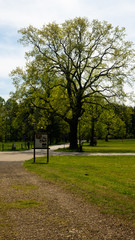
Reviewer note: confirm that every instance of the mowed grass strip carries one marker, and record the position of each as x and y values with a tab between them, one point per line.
107	181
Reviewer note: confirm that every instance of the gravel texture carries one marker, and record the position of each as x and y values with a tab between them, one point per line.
32	208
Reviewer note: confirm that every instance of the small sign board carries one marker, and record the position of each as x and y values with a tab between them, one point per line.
41	140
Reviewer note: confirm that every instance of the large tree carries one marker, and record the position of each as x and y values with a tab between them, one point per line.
68	63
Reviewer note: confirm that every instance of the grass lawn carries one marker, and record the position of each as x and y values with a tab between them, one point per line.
7	146
112	146
125	145
117	146
107	181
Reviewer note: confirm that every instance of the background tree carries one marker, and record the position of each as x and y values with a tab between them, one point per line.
2	119
70	62
112	124
35	119
93	109
125	113
133	122
11	109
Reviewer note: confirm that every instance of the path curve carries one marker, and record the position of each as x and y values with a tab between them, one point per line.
26	155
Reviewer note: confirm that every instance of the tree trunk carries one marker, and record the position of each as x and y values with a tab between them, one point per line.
106	138
93	141
73	134
107	135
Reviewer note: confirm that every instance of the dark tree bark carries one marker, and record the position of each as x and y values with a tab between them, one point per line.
93	141
73	135
92	133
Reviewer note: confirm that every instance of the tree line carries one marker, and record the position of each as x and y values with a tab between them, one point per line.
19	121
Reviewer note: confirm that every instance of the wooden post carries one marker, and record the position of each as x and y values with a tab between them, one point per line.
47	154
34	149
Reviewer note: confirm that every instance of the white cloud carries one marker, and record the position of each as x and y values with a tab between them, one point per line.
6	87
9	63
21	13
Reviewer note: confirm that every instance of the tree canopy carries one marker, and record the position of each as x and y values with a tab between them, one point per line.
66	64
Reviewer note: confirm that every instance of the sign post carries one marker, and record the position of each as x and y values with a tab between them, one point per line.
41	142
34	149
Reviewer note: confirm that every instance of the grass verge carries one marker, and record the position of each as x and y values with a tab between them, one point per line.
20	146
107	181
112	146
117	146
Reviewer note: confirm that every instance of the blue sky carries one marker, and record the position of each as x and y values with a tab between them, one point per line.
21	13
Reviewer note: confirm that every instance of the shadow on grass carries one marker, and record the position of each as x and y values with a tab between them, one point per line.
39	163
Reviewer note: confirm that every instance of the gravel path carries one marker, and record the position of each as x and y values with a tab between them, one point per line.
32	208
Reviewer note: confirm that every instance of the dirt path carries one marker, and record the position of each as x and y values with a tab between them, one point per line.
34	209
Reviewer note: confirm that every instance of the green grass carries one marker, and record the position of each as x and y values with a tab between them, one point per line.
20	146
24	204
125	145
117	146
107	181
4	206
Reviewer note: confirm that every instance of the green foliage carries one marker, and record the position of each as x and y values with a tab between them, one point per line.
19	119
126	114
112	124
2	118
90	119
68	63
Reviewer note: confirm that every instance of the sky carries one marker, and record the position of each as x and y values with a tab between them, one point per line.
17	14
